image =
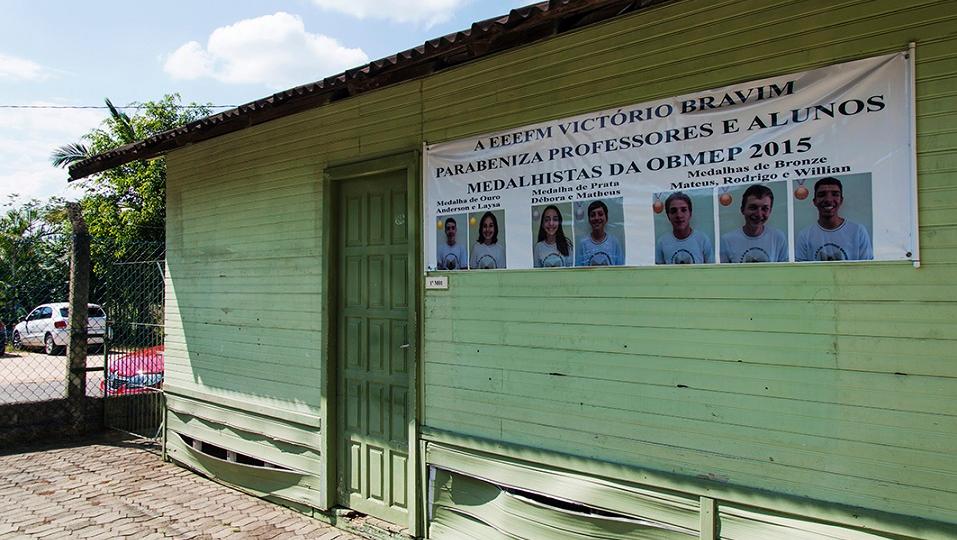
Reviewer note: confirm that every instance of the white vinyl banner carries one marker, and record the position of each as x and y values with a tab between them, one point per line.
813	166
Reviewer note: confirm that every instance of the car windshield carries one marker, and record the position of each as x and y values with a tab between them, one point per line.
93	312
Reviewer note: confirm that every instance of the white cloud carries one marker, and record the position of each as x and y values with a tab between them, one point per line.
21	69
190	61
274	50
28	137
427	12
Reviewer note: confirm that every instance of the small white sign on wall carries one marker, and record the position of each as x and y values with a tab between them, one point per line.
437	282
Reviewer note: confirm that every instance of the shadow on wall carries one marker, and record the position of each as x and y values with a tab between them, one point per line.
249	333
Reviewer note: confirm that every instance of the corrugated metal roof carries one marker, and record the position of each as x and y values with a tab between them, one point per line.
519	27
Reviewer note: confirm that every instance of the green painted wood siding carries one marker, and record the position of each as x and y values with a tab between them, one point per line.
832	382
243	288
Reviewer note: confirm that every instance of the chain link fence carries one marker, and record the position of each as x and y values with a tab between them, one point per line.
36	320
64	373
131	286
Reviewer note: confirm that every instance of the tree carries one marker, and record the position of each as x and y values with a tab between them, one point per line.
125	212
33	263
127	204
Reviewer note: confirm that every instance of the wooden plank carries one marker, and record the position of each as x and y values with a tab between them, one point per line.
775	317
274	484
302	302
762	444
871	282
267	317
292	396
246	443
817	421
752	524
276	428
235	399
906	499
613	495
717	396
709	519
904	358
879	426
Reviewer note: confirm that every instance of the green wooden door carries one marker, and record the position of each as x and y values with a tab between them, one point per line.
373	346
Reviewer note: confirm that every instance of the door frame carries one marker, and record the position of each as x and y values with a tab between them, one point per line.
333	176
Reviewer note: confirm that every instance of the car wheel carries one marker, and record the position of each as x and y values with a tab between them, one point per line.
49	346
17	342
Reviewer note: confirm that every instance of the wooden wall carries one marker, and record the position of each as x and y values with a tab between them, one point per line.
834	383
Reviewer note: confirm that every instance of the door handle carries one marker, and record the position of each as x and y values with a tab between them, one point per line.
405	346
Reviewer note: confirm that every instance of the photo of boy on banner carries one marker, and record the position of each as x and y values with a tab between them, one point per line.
451	253
684	227
551	237
837	225
599	232
754	231
488	230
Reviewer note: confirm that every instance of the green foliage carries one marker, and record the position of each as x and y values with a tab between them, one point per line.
65	155
124	209
127	204
34	263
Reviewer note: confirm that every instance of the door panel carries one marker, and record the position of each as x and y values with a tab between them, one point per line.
372	346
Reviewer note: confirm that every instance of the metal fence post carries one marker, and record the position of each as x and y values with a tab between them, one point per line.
79	299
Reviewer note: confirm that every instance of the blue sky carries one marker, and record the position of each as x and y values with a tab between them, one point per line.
59	53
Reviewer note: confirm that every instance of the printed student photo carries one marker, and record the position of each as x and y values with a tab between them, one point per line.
599	233
552	245
833	220
753	220
488	230
451	240
684	227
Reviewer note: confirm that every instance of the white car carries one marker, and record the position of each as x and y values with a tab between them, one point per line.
47	326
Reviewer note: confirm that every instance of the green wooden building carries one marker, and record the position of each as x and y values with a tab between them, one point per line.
308	363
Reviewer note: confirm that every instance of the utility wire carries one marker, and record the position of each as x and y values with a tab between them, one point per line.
118	107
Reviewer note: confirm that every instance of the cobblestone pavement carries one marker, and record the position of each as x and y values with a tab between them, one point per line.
112	488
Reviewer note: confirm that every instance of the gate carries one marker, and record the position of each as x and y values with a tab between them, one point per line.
132	289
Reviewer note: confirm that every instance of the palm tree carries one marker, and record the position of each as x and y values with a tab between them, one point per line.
69	154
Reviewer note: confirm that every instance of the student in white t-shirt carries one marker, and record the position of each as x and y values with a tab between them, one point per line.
598	248
683	245
755	241
553	248
832	237
487	253
451	254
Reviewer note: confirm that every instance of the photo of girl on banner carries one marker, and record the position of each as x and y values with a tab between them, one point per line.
488	251
551	243
599	233
684	227
833	220
754	228
451	253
